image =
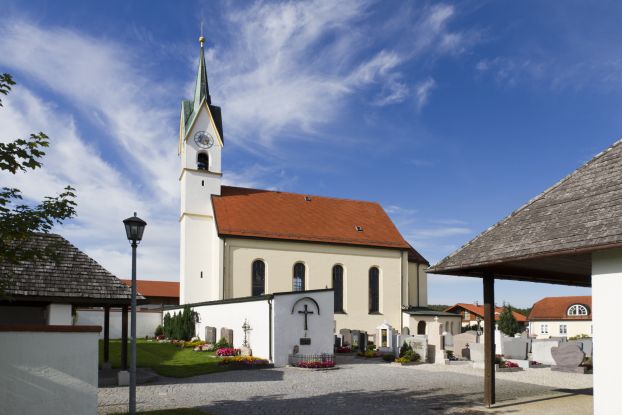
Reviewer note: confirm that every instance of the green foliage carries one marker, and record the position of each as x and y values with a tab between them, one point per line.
438	307
507	322
579	337
388	357
159	331
17	219
180	326
409	356
405	348
222	344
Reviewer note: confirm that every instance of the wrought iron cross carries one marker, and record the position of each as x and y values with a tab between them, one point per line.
306	312
246	327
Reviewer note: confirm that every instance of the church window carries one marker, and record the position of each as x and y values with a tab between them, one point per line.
298	281
338	287
374	290
577	310
259	277
421	327
202	161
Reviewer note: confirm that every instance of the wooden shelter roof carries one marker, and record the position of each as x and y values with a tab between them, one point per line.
550	239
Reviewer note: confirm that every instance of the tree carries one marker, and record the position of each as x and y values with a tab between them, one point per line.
19	220
507	322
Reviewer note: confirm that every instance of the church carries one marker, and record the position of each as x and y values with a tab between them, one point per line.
240	243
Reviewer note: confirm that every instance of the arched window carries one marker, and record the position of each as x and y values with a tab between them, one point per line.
577	310
202	161
298	281
258	277
374	290
338	287
421	327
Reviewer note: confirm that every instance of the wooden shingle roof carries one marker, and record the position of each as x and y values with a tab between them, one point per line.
578	215
70	275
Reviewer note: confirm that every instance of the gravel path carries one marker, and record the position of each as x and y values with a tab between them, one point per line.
356	387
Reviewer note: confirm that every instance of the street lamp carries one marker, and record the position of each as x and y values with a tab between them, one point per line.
134	228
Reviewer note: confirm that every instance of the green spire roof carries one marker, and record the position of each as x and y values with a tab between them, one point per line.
201	87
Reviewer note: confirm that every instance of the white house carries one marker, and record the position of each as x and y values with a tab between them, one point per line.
561	317
239	242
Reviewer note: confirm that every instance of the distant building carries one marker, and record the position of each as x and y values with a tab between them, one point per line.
561	317
157	293
471	312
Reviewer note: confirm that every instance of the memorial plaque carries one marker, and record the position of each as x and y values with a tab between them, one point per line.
305	341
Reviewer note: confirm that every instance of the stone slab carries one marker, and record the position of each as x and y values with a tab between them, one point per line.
123	378
515	348
579	369
541	351
567	356
346	337
210	335
477	352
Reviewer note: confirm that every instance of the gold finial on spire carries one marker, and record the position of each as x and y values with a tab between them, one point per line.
201	40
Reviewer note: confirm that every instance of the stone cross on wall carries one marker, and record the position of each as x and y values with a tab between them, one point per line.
306	313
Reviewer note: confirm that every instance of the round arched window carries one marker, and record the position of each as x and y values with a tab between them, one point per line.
577	310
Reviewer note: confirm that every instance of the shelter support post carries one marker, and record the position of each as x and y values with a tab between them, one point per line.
489	340
124	337
106	337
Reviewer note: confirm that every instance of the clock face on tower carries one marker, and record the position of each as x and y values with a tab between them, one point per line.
203	139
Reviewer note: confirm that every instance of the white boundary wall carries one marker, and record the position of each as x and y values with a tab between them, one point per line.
146	322
52	373
273	323
606	289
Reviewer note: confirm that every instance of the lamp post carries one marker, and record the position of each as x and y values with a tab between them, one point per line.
134	228
479	320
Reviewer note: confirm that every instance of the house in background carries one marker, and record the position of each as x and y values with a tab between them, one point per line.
472	312
157	293
561	317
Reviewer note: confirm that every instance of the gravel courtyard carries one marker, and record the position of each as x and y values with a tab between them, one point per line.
360	387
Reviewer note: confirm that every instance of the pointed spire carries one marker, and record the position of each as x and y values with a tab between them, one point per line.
201	87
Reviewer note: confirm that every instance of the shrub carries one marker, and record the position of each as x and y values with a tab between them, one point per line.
243	361
369	354
159	331
579	337
507	322
227	351
405	348
181	326
388	357
409	356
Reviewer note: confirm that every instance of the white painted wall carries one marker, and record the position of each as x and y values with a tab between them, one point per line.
232	316
319	259
48	373
606	289
573	328
288	326
146	322
452	324
58	314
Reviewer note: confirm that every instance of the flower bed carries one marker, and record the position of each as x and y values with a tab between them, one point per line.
244	362
316	365
227	351
368	354
344	349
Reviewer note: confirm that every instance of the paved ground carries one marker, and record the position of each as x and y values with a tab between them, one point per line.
360	387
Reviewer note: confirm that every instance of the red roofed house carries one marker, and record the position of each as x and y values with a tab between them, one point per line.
239	242
561	317
157	293
471	312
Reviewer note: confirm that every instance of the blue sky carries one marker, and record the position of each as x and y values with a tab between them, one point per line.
451	115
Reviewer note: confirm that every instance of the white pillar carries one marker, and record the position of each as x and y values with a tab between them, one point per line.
606	289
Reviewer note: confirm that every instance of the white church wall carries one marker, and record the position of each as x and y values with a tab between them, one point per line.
280	257
199	267
289	325
417	285
606	288
231	316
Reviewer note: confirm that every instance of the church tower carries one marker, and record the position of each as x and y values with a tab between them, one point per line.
200	147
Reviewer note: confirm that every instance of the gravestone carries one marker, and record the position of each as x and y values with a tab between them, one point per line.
477	353
541	351
227	334
356	337
346	337
405	331
585	345
362	341
515	348
568	358
461	341
210	335
337	340
419	347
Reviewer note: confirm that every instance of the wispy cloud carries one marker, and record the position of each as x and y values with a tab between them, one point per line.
422	92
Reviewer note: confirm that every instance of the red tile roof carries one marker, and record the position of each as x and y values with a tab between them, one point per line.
290	216
479	311
156	288
556	308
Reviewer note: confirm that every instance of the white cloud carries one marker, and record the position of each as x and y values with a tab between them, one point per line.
422	92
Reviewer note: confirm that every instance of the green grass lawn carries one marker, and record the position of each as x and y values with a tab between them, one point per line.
165	359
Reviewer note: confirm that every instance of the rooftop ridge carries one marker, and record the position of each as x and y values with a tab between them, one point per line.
527	204
345	199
